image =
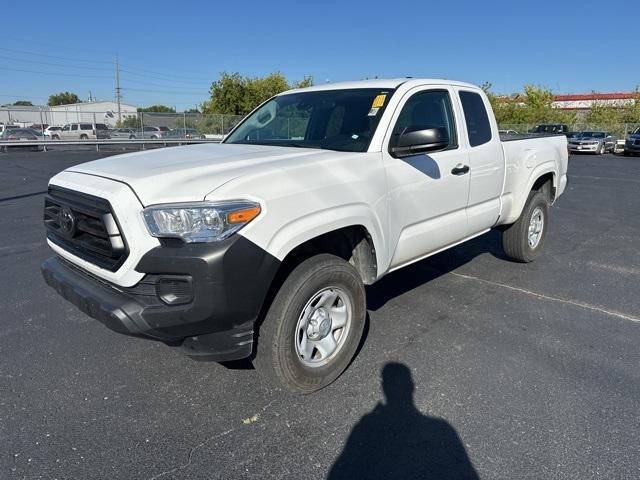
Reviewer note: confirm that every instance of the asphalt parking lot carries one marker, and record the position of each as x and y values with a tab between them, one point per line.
518	371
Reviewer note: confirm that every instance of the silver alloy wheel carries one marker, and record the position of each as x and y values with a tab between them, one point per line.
323	327
536	225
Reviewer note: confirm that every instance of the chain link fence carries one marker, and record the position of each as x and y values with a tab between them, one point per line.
142	124
215	126
618	130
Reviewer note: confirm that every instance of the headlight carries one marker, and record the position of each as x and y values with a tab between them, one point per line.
200	222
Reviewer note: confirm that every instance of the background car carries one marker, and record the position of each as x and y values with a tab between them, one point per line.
153	132
84	131
551	128
52	133
632	143
187	133
4	128
21	135
128	133
593	142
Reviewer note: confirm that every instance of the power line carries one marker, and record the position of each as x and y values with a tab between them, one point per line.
162	74
55	64
180	92
53	73
144	82
156	77
51	56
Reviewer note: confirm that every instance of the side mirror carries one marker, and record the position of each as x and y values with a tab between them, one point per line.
420	141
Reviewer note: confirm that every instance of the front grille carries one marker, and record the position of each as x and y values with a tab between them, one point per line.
85	226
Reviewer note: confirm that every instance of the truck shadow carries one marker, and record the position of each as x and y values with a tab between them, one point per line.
396	441
424	271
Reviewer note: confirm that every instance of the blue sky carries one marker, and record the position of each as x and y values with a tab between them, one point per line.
171	51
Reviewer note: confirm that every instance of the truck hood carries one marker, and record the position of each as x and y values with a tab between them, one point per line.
189	173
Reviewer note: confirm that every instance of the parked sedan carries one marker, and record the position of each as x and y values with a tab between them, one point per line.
187	133
593	142
21	135
632	143
128	133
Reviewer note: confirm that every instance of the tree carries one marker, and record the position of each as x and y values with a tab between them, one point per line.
63	98
129	122
157	109
237	95
23	103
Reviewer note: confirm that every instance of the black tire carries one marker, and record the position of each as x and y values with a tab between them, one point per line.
276	354
55	137
515	238
84	137
132	137
627	154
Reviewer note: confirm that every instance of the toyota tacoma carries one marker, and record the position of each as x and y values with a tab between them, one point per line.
260	247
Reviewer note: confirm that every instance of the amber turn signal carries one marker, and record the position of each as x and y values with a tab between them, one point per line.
243	216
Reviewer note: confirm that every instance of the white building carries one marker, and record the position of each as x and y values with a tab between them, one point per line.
92	112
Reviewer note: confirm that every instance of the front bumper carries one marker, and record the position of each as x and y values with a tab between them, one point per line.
632	147
228	280
583	148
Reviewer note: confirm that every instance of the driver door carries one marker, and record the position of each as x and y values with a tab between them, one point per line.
428	192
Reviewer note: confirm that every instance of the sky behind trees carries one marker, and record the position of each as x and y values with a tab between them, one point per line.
171	52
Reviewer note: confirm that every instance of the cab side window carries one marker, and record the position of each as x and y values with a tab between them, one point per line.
476	118
74	126
428	109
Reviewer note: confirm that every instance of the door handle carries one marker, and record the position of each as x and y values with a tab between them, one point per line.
460	169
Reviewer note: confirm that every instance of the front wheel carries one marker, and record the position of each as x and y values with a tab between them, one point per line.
523	240
313	326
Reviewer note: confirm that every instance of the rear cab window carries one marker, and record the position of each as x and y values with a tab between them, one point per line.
476	118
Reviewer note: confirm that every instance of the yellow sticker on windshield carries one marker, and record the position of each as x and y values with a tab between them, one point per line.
378	102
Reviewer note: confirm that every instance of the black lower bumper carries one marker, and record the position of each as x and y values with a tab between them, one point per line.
228	283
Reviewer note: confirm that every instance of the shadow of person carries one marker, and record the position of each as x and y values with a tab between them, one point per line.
396	441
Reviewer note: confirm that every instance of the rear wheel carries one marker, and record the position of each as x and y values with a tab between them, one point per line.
84	137
314	325
523	240
55	137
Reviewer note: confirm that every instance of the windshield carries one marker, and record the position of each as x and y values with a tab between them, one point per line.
637	132
343	120
593	135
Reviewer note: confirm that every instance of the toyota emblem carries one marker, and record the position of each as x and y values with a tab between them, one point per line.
67	222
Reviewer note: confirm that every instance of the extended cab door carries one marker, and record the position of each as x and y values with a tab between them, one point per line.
486	160
427	193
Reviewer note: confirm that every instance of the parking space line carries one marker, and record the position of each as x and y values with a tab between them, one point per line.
26	195
575	303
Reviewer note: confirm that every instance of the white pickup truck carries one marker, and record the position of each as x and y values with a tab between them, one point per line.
261	246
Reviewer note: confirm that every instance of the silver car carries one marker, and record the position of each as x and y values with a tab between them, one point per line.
592	142
124	133
153	132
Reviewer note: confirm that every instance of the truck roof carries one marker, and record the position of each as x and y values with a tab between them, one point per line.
380	83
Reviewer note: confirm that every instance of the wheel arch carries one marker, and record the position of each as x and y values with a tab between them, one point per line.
353	243
543	178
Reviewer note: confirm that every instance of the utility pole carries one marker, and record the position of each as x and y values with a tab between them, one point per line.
118	95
